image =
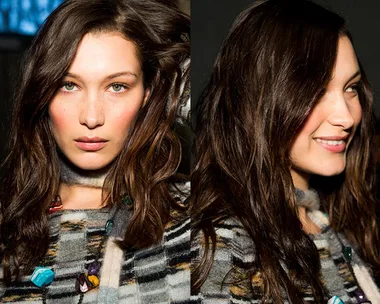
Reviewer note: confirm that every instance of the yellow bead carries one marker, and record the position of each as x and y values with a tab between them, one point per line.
94	280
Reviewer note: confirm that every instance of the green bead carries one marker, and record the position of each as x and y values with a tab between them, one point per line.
347	252
109	226
126	200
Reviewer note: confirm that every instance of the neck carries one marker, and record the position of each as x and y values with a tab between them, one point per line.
300	179
80	197
307	200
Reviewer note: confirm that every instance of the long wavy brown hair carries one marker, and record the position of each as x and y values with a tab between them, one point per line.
147	165
270	71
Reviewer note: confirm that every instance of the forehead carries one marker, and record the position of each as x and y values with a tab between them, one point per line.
105	53
346	63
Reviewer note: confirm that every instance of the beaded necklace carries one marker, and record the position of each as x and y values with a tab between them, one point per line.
87	280
310	200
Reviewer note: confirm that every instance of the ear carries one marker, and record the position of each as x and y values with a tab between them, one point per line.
146	95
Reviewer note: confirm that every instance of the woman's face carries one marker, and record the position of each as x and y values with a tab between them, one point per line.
100	96
321	146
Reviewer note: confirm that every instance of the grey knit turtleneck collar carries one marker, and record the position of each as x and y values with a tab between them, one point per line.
308	199
72	175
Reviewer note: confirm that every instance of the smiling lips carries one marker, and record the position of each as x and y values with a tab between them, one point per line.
90	144
335	144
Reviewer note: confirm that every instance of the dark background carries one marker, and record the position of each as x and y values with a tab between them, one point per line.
12	47
212	19
19	20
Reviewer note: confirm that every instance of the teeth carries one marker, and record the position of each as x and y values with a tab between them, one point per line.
330	142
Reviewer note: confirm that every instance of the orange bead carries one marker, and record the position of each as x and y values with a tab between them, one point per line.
94	280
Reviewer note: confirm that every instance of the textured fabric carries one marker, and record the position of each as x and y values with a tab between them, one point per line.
159	274
230	279
183	112
233	256
71	175
355	273
357	276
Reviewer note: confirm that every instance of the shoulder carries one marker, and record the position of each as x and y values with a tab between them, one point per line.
231	240
180	190
230	275
177	230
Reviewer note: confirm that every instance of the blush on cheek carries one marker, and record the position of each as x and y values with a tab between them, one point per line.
124	118
59	117
57	121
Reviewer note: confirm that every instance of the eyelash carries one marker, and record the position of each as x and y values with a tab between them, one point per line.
65	83
356	86
122	85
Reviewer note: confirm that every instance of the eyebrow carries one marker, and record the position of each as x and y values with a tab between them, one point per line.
115	75
354	76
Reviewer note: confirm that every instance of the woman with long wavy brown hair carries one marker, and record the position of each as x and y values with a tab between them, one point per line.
283	185
92	205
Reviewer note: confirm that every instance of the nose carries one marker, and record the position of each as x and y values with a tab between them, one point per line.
92	111
342	114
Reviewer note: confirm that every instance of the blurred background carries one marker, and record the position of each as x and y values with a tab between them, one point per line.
19	21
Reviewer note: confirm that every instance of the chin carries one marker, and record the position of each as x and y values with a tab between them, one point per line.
330	170
329	173
91	167
90	163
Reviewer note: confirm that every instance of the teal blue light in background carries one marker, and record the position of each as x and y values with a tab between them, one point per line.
24	16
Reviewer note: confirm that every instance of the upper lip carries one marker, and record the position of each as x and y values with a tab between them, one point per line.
90	139
337	137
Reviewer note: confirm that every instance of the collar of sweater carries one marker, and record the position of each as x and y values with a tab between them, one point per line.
308	199
72	175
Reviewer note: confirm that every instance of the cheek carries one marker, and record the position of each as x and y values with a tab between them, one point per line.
58	121
357	114
63	120
123	118
304	139
314	120
58	116
298	148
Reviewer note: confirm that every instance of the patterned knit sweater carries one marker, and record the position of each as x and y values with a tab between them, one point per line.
159	274
229	281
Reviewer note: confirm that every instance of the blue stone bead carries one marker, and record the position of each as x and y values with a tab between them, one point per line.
108	227
42	276
335	300
126	200
347	252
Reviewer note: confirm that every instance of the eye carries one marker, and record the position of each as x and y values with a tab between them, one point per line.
354	88
118	87
68	87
